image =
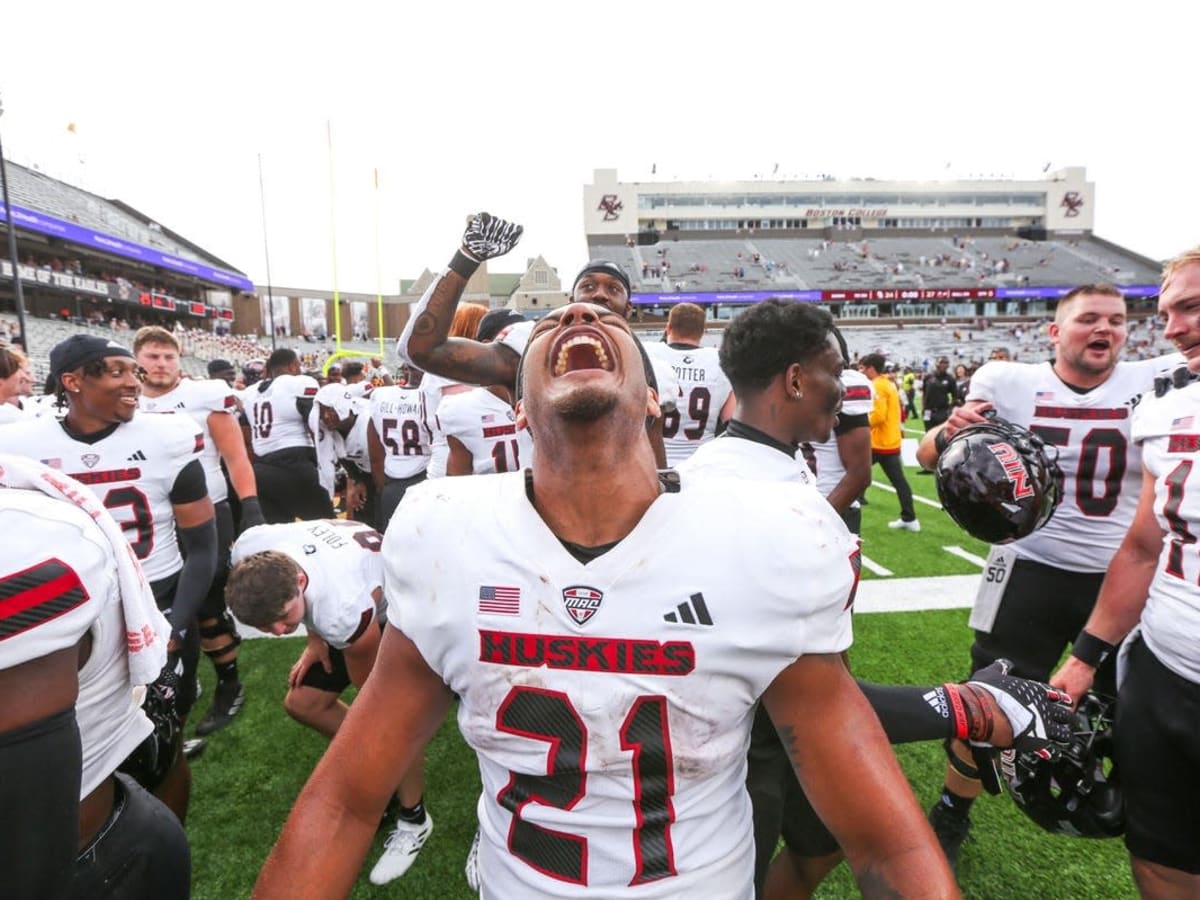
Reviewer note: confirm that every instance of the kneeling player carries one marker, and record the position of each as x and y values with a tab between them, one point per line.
328	575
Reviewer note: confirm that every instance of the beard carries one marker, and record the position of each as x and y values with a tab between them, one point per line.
586	405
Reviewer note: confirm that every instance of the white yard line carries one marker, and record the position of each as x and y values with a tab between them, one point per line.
967	555
875	567
912	594
883	486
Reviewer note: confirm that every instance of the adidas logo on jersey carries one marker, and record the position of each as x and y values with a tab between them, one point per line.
693	611
136	456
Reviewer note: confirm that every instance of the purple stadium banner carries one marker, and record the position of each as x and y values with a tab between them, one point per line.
903	295
77	234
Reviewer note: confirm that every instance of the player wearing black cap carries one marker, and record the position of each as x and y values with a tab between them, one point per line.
146	470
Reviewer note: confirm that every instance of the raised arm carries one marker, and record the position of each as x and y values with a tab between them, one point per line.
850	774
329	831
426	342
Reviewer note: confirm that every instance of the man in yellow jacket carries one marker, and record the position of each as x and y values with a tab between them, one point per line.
885	438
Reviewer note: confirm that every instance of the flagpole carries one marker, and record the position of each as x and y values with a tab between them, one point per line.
378	275
337	313
262	196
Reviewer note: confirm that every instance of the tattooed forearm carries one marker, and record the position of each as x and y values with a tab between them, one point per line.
426	324
875	884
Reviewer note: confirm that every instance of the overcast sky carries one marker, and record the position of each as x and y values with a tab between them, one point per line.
509	107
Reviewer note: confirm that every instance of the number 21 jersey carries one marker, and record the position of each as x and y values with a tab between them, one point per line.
609	703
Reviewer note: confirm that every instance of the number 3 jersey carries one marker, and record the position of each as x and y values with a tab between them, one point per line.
610	703
132	469
1101	466
340	559
1168	430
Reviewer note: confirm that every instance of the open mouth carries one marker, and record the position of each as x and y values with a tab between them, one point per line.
1100	346
578	352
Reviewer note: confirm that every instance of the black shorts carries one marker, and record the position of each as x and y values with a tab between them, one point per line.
391	495
1041	613
1158	762
289	487
334	682
779	805
141	851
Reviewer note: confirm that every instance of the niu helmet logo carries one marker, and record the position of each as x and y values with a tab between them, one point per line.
1014	469
1072	202
582	602
611	206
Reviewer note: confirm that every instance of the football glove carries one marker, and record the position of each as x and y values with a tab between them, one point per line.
487	237
1039	715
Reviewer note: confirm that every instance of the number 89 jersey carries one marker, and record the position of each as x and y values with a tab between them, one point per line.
1168	429
1101	465
610	703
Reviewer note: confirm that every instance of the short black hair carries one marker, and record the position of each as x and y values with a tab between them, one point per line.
874	361
352	369
767	338
280	360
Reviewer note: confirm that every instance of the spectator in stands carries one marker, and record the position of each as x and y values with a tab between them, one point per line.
938	393
885	438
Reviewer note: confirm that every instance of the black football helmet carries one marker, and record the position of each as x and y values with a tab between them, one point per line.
1066	789
999	481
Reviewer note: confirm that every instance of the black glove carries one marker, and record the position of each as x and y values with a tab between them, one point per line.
1039	715
252	513
487	237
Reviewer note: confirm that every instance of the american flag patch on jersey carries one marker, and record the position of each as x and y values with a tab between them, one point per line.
499	601
1182	422
1044	395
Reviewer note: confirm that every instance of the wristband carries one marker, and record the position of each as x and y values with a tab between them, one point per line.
463	265
982	723
940	441
962	717
1091	650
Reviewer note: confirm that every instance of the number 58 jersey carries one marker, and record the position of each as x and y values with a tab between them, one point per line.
610	703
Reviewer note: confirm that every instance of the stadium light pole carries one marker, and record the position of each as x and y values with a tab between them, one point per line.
18	295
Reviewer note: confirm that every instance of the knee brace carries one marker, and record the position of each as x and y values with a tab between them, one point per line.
222	626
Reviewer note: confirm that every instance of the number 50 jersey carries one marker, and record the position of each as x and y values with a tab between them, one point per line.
610	703
1101	466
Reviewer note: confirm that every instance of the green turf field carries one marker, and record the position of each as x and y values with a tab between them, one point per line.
245	783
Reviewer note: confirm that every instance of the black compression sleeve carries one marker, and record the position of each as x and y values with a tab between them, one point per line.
41	764
304	406
911	713
195	578
190	484
849	423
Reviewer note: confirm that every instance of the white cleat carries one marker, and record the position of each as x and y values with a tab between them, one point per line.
400	850
914	525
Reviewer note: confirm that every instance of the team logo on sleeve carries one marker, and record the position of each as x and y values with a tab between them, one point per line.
582	602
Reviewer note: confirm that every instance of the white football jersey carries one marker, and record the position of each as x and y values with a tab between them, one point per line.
1102	468
610	703
131	470
432	387
11	413
486	426
58	580
824	458
1168	430
703	390
275	423
199	399
399	417
342	562
735	457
